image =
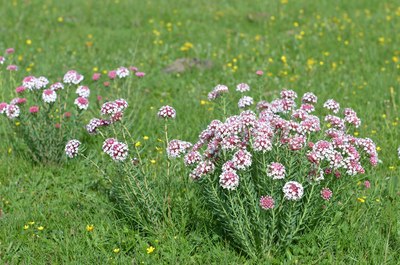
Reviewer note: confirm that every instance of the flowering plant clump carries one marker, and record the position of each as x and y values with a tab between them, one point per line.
133	180
270	176
43	117
45	114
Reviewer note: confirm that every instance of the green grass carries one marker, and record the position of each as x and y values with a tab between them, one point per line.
345	50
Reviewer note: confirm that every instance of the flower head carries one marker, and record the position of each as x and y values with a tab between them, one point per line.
72	77
229	180
112	74
96	76
267	202
293	190
82	103
10	50
18	101
177	147
57	86
326	194
140	74
245	101
116	150
12	111
49	96
242	87
20	89
41	82
276	171
72	148
367	184
332	105
95	123
29	82
3	107
309	98
122	72
242	159
83	91
34	109
150	250
167	112
217	91
12	67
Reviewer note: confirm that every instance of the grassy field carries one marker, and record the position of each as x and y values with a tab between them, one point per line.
346	50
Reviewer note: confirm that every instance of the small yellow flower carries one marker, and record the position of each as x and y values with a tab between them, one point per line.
10	150
89	228
150	250
116	250
60	19
95	69
153	161
145	138
355	133
203	102
31	222
40	228
378	148
28	42
361	200
137	144
26	227
392	167
105	72
17	123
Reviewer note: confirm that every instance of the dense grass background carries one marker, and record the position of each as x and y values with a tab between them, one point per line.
347	50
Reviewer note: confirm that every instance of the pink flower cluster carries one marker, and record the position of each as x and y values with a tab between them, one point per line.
112	109
116	150
72	148
217	92
276	171
72	77
176	148
293	191
83	91
35	83
243	87
49	96
267	202
167	112
245	101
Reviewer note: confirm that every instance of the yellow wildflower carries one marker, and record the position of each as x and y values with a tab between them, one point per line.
150	250
361	200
